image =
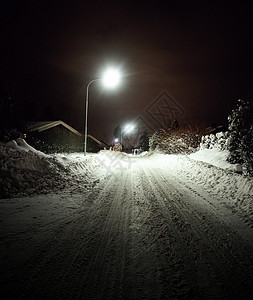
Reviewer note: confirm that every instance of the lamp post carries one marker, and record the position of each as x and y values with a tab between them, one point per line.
86	113
110	79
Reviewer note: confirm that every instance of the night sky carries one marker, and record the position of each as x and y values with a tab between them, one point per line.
197	53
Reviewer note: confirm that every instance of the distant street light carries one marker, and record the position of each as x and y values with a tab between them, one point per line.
127	129
110	79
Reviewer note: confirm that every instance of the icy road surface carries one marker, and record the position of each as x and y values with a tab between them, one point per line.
141	231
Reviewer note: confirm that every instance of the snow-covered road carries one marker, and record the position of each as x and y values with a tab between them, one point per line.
146	229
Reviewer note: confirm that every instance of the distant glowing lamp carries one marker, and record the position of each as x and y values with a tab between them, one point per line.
127	129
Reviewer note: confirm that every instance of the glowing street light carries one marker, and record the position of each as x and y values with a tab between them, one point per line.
127	129
110	79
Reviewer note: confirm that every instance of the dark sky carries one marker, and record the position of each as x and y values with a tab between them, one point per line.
196	54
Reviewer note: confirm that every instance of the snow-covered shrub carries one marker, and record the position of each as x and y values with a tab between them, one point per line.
247	151
215	141
181	141
240	143
143	142
222	140
157	138
176	140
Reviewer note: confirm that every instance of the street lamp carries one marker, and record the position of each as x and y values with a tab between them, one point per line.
127	129
110	79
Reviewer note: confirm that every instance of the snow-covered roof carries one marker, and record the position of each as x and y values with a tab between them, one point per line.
42	126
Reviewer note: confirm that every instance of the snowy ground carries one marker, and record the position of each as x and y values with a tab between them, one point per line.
110	225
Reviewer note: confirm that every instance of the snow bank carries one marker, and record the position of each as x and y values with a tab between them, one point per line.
20	144
214	156
222	181
26	171
234	190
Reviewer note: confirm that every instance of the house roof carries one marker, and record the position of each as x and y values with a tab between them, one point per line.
42	126
94	139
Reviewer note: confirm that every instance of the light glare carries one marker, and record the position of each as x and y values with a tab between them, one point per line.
111	78
129	128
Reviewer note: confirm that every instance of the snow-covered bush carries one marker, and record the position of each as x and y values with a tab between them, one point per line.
247	151
143	142
176	140
238	140
181	141
156	140
215	141
240	144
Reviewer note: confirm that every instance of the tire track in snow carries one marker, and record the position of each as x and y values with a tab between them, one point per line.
176	274
219	272
87	277
103	265
61	252
137	236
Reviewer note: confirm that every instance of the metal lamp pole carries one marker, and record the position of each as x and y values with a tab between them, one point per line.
86	113
110	79
121	140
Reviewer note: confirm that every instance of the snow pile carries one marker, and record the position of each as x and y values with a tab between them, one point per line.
237	150
222	181
233	189
26	171
208	170
214	157
20	144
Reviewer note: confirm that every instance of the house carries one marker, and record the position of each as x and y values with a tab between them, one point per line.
94	145
57	136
